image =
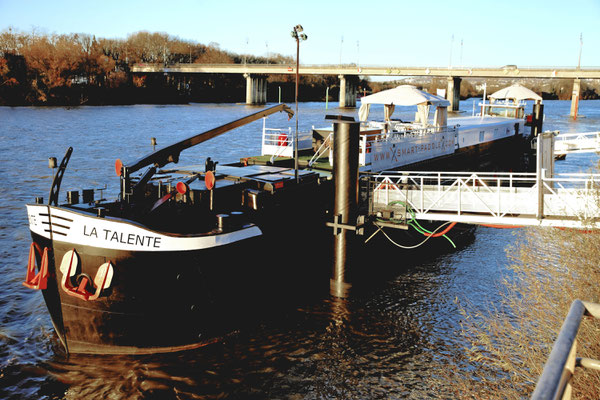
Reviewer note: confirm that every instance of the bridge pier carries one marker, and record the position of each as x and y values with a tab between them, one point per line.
347	91
256	89
453	92
575	98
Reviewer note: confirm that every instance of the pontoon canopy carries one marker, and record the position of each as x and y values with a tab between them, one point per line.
405	95
515	92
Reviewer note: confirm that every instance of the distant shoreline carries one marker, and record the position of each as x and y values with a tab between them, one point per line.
80	69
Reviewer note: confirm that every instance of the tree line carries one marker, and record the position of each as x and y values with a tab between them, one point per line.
73	69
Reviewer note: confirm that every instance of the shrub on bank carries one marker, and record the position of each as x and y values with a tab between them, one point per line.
508	343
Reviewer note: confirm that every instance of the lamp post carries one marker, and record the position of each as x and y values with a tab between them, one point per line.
267	45
580	48
298	35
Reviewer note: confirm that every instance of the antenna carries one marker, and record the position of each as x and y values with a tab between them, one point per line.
451	45
580	48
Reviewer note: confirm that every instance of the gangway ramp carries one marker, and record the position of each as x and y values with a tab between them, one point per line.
567	143
522	199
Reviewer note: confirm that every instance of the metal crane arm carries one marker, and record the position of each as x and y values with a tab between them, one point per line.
171	153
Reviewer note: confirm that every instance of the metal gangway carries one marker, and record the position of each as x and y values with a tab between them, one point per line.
521	199
540	198
567	143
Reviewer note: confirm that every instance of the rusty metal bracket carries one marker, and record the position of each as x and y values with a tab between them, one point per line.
338	226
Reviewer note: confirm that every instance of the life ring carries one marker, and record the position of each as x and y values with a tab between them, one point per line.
282	140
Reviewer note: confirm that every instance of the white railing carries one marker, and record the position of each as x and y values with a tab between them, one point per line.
569	200
280	142
405	128
577	143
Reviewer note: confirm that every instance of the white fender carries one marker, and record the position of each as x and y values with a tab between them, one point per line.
105	269
69	263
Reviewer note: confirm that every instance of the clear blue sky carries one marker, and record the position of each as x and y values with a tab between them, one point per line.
395	33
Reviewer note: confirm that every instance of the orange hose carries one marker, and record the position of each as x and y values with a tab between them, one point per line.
502	226
442	233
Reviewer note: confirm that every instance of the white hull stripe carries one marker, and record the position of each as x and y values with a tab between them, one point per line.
80	229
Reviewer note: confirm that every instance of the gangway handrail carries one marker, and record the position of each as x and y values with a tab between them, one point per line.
555	381
565	136
480	174
584	142
566	200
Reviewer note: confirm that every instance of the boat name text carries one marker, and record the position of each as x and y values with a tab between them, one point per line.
120	237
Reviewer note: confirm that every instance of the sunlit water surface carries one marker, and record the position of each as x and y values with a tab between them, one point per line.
377	344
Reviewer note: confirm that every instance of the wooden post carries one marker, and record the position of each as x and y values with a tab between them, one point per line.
575	98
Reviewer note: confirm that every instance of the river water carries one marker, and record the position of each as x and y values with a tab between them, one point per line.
379	343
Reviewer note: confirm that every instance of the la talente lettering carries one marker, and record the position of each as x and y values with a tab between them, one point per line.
123	238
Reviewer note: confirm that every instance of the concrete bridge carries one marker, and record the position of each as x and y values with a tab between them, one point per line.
256	75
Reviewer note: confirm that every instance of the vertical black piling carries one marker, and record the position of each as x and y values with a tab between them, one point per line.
345	177
538	119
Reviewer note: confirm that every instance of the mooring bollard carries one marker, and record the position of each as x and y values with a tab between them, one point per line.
345	177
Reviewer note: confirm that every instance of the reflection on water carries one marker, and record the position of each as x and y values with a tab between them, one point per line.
379	343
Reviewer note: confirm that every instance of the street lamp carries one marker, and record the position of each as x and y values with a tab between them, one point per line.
298	35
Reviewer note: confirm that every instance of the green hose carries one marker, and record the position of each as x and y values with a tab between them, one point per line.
413	221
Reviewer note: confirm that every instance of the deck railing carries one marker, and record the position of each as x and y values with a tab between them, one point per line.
280	142
555	381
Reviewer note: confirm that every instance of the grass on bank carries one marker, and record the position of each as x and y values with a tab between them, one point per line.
508	343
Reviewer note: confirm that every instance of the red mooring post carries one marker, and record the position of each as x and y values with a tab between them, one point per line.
345	178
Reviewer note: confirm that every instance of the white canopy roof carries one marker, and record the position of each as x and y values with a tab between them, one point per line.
405	95
516	92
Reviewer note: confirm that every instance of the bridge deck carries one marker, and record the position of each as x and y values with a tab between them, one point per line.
289	69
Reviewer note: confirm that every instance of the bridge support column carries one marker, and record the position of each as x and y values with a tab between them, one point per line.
347	92
249	89
453	92
263	91
575	98
256	89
